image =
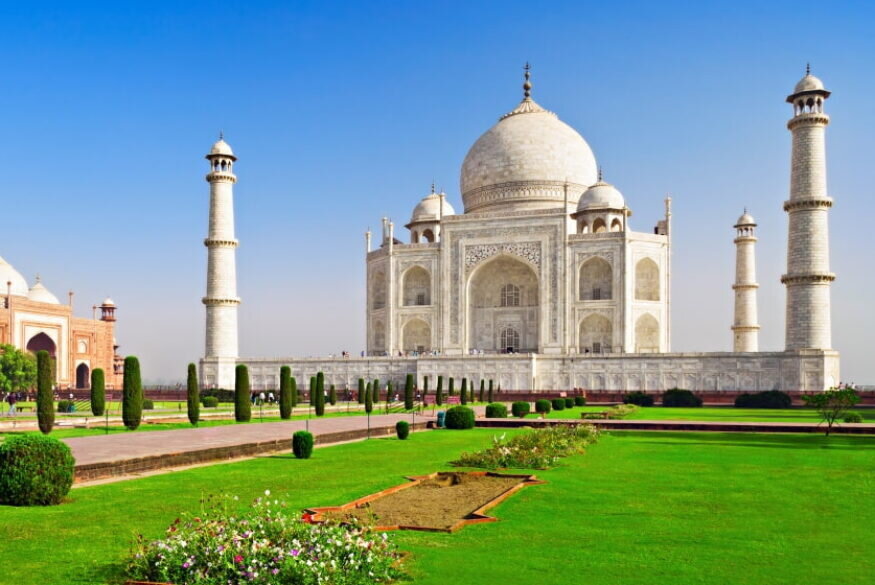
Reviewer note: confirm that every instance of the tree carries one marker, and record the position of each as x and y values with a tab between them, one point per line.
194	403
439	394
375	398
482	389
464	392
285	392
452	391
490	395
361	394
369	399
296	397
388	395
45	402
424	387
332	395
408	392
17	369
319	403
98	392
132	394
833	404
242	397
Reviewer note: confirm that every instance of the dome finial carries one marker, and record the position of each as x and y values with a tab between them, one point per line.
527	85
808	69
600	174
221	134
432	186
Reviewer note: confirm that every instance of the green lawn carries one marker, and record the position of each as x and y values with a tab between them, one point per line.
643	508
712	413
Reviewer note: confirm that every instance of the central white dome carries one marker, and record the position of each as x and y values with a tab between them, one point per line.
8	274
524	162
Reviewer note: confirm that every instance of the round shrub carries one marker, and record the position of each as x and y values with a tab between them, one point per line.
34	470
680	398
302	444
638	398
520	409
558	404
66	406
542	406
210	401
853	417
496	410
402	429
767	399
579	401
569	403
148	404
459	417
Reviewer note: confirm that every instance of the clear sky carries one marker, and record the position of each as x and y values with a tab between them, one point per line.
342	113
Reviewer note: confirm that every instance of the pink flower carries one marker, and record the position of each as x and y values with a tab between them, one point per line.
238	559
295	552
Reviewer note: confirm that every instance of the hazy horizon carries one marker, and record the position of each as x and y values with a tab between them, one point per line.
341	115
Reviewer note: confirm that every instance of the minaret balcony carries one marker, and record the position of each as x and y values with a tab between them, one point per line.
221	177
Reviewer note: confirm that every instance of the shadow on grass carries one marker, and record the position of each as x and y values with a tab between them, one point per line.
776	441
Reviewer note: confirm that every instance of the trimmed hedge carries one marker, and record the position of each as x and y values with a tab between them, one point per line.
148	404
193	393
569	403
459	417
210	401
680	398
44	400
402	429
302	444
542	406
579	401
34	470
98	392
132	394
558	403
332	395
520	409
767	399
496	410
242	399
853	417
66	406
638	398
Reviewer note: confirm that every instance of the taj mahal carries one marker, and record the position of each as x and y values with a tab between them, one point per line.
544	282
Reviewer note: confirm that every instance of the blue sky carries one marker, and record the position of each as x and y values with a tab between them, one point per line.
342	113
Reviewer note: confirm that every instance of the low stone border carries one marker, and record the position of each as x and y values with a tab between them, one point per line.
676	425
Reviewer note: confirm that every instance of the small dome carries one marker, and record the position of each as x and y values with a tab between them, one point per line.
601	196
39	293
809	83
746	219
10	274
221	148
429	209
108	302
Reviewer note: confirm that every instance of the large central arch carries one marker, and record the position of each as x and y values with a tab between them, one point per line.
503	306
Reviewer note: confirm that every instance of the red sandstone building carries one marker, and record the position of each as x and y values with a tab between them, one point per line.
33	319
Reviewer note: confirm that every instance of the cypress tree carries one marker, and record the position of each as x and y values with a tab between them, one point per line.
361	394
320	394
388	395
193	394
440	385
490	392
332	395
369	398
294	392
439	395
98	392
452	391
424	387
312	390
408	393
242	397
375	398
285	392
45	402
132	394
482	389
464	391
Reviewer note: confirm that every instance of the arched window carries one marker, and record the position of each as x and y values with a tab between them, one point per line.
428	236
510	339
599	226
596	280
595	334
510	295
646	280
616	225
584	227
82	346
417	287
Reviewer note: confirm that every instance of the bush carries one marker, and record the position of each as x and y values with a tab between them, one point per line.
459	417
66	406
402	429
638	398
853	417
148	404
286	392
221	394
767	399
520	409
579	401
210	401
34	470
98	392
569	403
537	449
496	410
622	410
132	394
680	398
44	399
302	444
193	394
558	403
542	406
332	395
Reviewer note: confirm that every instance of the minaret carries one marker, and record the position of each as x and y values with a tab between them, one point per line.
808	277
221	300
745	330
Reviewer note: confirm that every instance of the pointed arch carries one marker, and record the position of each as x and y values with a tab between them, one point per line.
616	225
83	376
416	336
596	280
646	280
40	342
599	226
595	334
416	286
647	334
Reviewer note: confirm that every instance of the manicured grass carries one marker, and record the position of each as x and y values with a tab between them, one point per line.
643	508
712	413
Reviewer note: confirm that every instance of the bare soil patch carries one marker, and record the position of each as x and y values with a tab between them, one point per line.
440	502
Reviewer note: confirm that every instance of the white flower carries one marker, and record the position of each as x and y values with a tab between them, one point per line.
267	492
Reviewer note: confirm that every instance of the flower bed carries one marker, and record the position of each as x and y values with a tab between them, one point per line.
537	449
265	544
